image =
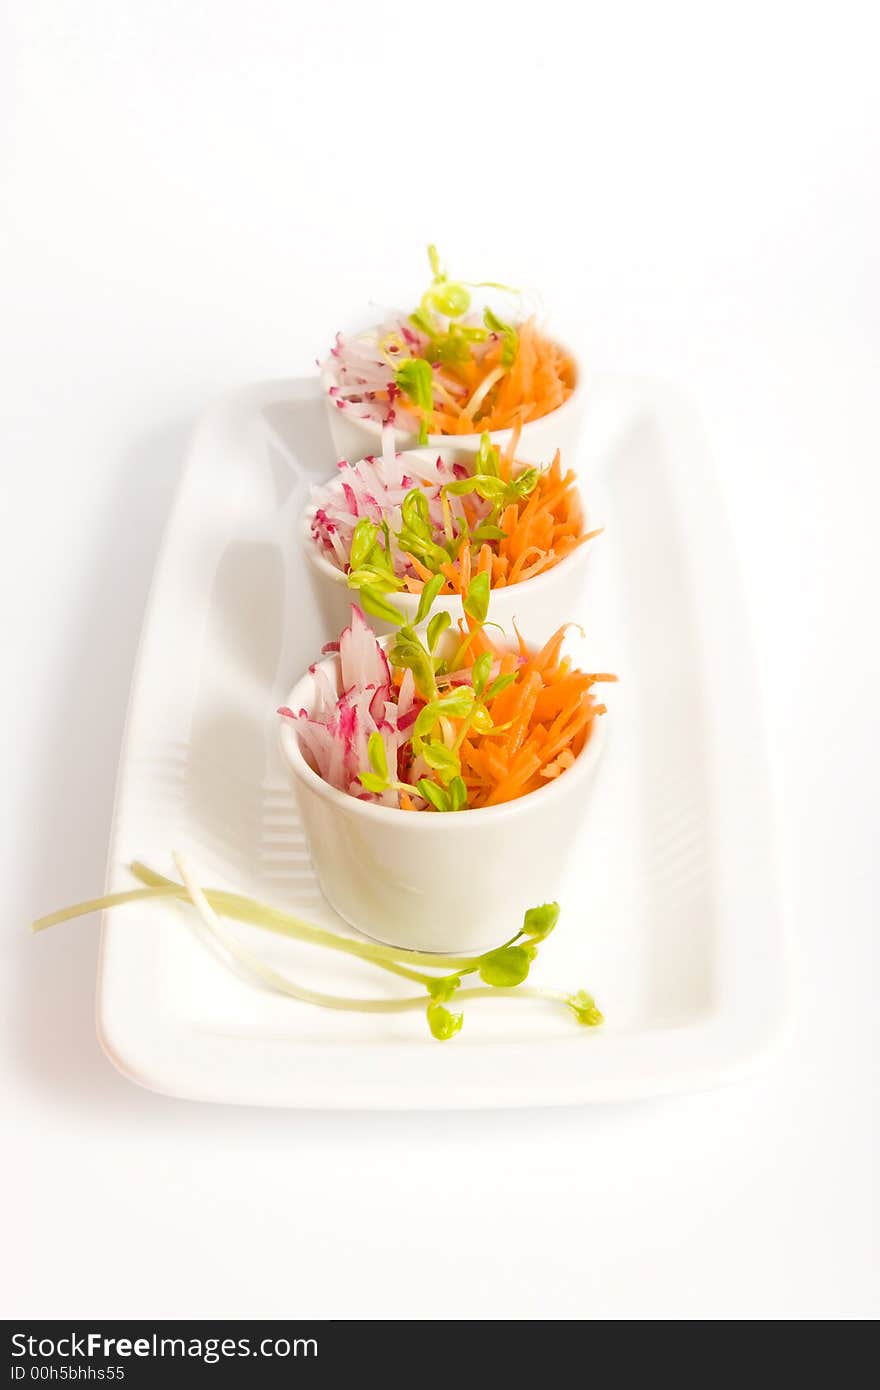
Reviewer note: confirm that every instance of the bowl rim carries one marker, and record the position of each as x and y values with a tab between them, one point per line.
466	441
568	564
583	765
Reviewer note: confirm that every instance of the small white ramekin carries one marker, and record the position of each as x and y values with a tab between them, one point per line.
354	438
452	882
537	605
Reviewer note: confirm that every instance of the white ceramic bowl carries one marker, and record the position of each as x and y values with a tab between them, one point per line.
452	882
538	605
355	438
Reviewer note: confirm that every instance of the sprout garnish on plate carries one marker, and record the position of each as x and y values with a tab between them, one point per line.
501	972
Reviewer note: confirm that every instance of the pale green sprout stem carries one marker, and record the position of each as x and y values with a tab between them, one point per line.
439	988
282	984
131	895
247	910
253	913
482	391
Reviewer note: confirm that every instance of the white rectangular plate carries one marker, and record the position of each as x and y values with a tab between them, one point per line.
670	914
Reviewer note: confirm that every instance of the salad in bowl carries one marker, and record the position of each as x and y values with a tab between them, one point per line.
427	764
398	527
451	369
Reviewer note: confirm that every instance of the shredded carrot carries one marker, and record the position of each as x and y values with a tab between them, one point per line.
421	570
561	764
527	696
464	568
540	378
541	722
539	530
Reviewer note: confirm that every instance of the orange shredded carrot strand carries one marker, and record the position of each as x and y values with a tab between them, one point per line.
421	570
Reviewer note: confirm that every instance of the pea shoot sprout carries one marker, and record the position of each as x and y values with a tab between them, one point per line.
499	973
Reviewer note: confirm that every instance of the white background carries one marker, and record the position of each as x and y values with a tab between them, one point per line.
194	196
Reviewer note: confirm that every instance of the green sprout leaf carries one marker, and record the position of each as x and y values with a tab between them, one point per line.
508	335
471	333
539	922
437	797
378	606
476	601
491	489
426	720
446	296
443	1023
362	541
427	597
524	484
583	1006
500	683
487	457
457	794
443	987
481	719
377	756
416	380
430	553
456	703
461	487
483	484
373	781
436	627
422	322
452	348
480	672
407	652
378	580
506	967
487	531
451	299
415	513
441	760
